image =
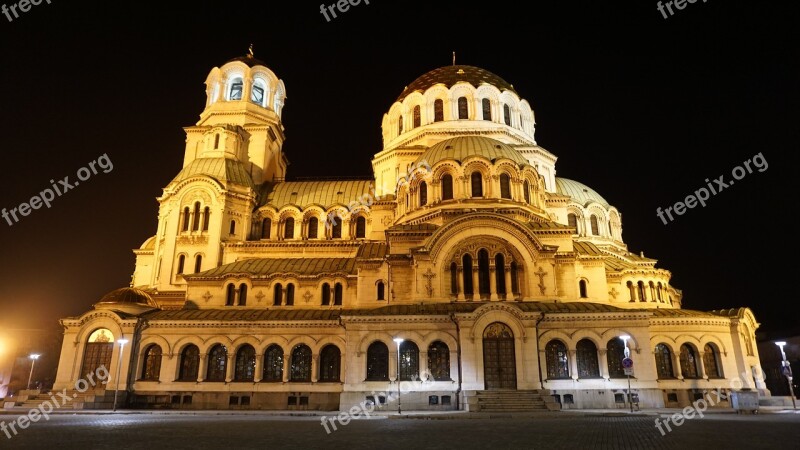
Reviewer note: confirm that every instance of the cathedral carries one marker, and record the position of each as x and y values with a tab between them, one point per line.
464	275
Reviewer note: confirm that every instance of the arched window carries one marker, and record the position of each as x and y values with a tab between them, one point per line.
689	362
514	278
588	366
463	108
381	291
217	363
230	294
664	362
196	219
330	361
181	263
447	187
337	294
236	89
483	272
198	263
454	278
277	295
409	361
361	227
423	194
595	227
326	294
439	361
652	291
486	105
526	191
505	186
336	229
632	291
467	272
583	289
642	292
610	230
242	294
507	114
438	110
190	363
476	182
711	361
378	362
266	228
288	228
216	141
300	369
257	94
232	229
614	356
206	217
245	369
417	117
273	364
658	292
500	273
572	221
187	216
290	294
151	369
400	124
313	228
557	360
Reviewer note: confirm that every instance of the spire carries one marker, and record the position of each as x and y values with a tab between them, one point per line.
250	52
454	58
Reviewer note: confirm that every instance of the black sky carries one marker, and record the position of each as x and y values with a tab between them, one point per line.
640	108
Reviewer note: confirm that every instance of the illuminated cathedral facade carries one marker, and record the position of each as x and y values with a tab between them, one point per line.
465	267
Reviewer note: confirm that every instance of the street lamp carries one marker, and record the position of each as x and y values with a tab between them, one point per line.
786	369
627	353
398	341
121	343
33	357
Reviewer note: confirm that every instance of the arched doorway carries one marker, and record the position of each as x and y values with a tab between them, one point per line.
97	353
499	357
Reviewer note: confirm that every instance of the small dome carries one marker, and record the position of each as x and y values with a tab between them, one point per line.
579	192
250	60
149	244
450	75
128	295
463	147
224	170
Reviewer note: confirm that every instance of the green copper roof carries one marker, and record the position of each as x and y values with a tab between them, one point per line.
323	193
266	267
223	170
579	192
463	147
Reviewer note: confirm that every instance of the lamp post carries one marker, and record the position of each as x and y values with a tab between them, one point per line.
627	353
121	343
398	341
786	369
33	357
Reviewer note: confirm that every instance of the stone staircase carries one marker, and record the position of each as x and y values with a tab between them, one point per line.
512	401
78	400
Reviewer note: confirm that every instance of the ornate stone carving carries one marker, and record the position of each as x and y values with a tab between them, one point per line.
541	274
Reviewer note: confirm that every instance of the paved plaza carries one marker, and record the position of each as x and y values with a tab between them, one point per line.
559	430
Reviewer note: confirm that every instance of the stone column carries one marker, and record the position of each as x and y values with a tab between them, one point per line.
603	363
509	294
286	359
476	289
701	365
461	283
492	283
423	364
259	368
202	367
230	368
314	368
573	364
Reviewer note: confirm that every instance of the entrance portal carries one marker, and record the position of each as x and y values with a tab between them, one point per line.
499	357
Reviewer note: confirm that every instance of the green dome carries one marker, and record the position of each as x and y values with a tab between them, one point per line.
463	147
579	192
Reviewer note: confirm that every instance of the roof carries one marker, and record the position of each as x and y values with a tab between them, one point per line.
265	267
128	295
373	250
463	147
450	75
223	170
323	193
579	192
241	315
249	60
587	248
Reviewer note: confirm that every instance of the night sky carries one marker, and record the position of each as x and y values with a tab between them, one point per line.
641	108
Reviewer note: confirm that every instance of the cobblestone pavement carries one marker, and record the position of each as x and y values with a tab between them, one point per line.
559	431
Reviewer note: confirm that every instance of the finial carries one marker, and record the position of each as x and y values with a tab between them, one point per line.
454	58
250	52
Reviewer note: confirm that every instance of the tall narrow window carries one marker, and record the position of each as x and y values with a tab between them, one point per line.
151	369
423	194
664	362
467	272
236	89
514	278
313	227
487	109
447	187
557	360
361	227
217	363
614	356
216	141
417	117
588	366
190	363
300	368
242	294
572	221
400	124
500	273
257	96
595	227
206	218
652	291
439	361
583	289
409	361
288	228
232	228
245	369
642	292
290	294
377	362
181	263
454	278
273	364
476	182
438	110
230	294
266	228
381	290
196	218
507	115
463	108
483	272
277	295
632	291
187	216
505	186
330	361
526	191
688	358
326	294
658	291
198	263
336	229
711	361
337	294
